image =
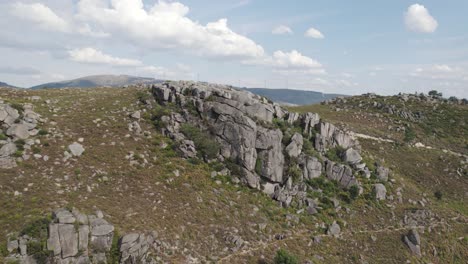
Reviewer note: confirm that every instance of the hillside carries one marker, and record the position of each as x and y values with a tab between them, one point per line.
6	85
98	81
293	97
217	175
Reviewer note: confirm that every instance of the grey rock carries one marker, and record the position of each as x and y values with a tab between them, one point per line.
309	121
294	148
334	229
83	237
12	245
136	115
382	173
7	162
19	131
53	242
311	167
270	157
352	156
68	240
341	173
23	248
76	149
8	149
100	227
64	216
380	191
413	241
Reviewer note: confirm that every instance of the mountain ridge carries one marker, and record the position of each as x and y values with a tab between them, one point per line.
97	81
294	97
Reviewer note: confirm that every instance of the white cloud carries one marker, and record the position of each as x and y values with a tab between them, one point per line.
314	33
443	68
41	15
418	19
166	26
93	56
294	60
282	30
289	62
86	30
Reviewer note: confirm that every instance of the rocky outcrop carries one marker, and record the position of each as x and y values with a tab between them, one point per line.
17	124
260	137
380	191
73	237
413	241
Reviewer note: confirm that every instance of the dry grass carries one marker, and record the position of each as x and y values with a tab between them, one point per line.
194	213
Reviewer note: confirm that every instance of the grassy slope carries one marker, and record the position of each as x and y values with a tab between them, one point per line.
193	211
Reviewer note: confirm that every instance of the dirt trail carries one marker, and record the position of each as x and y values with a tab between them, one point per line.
307	233
417	145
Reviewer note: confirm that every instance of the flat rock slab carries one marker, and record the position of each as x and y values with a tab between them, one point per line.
76	149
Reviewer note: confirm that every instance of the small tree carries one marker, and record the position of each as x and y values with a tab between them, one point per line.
435	93
284	257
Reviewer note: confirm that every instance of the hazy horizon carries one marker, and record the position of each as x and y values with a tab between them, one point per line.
325	46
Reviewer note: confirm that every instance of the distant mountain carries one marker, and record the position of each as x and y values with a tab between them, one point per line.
293	97
98	80
2	84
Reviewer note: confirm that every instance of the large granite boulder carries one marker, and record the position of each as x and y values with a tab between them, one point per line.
270	160
294	148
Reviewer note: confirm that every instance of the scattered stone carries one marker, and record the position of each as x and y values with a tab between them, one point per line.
334	229
380	191
413	241
76	149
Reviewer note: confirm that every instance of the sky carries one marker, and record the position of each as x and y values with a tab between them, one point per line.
331	46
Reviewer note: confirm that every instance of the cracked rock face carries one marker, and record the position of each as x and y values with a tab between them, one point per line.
15	126
242	124
74	237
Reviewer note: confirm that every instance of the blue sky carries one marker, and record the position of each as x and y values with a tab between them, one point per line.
351	47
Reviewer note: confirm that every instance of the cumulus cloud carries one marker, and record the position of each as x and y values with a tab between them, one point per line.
314	33
290	62
439	72
41	15
93	56
294	60
166	26
418	19
282	30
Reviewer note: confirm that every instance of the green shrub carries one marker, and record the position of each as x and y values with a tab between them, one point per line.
3	250
354	192
309	150
36	150
38	250
335	154
280	123
327	187
42	132
18	107
3	137
410	135
234	167
36	229
258	166
143	96
205	145
158	112
284	257
114	253
438	195
294	171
